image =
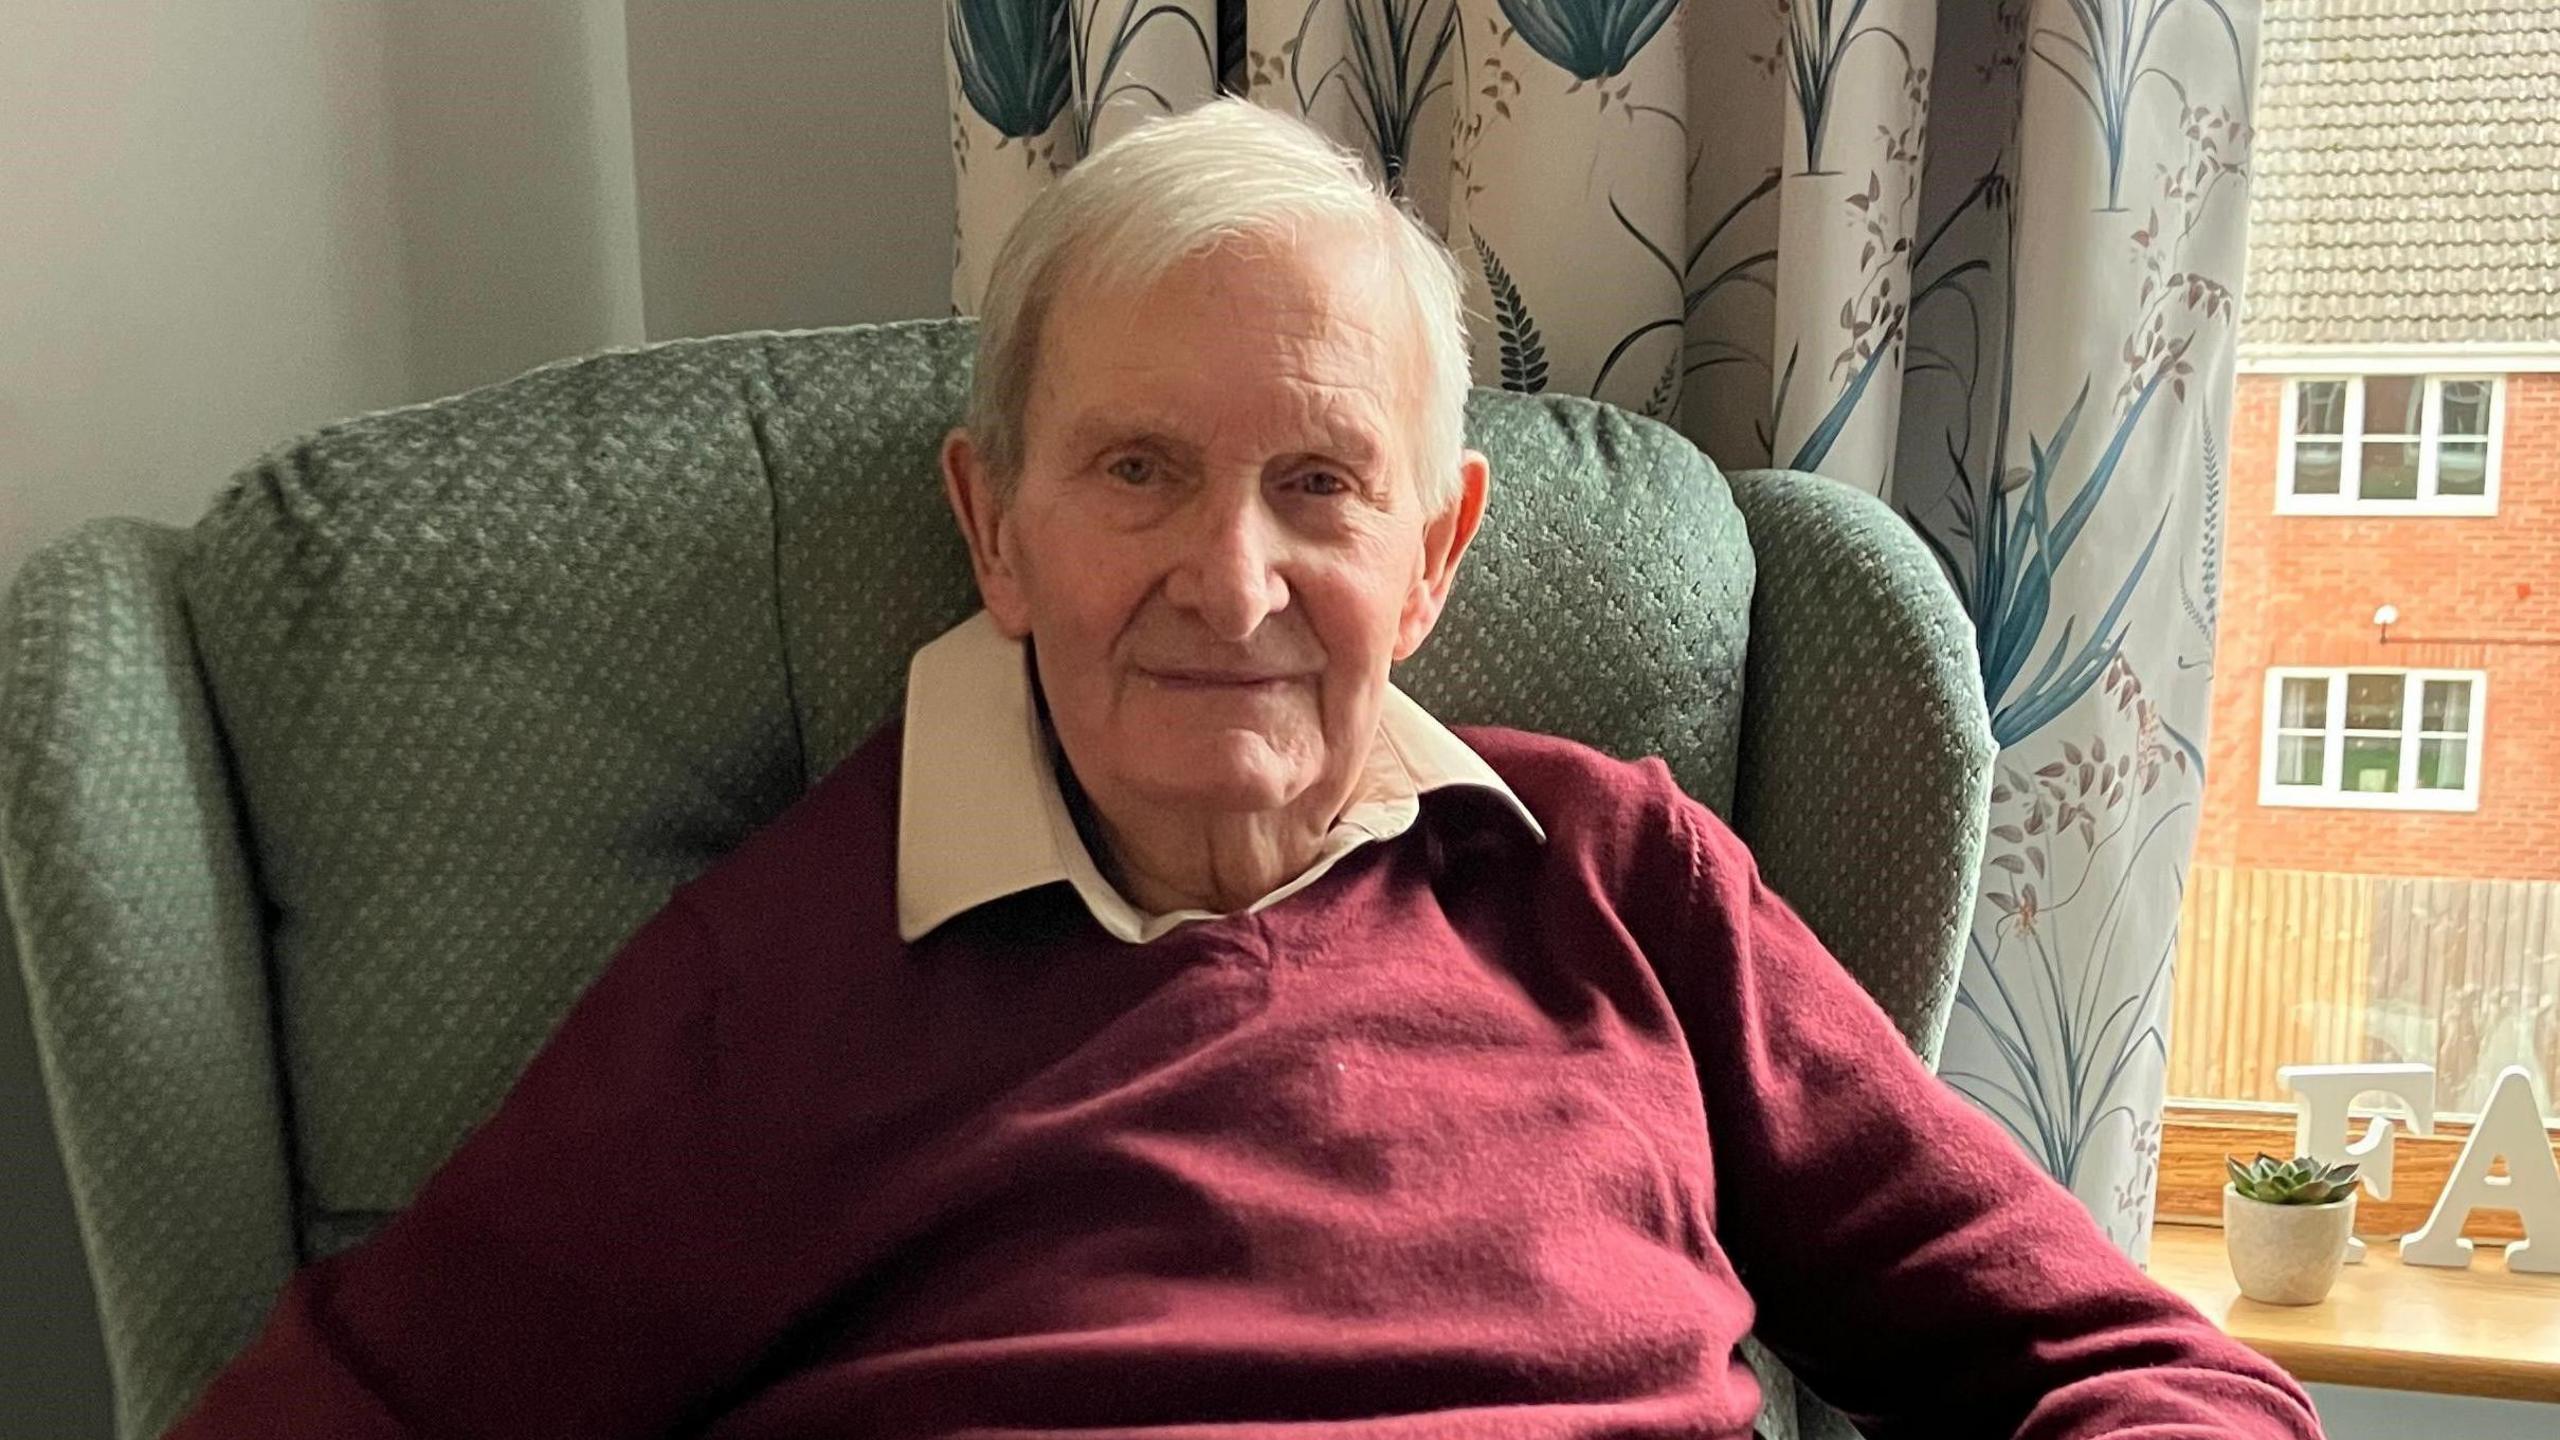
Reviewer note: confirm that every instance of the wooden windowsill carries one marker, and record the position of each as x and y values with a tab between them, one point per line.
2195	1138
2479	1331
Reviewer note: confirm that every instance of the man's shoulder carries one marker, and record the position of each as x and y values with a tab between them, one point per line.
833	849
1585	795
1621	832
1572	775
1591	798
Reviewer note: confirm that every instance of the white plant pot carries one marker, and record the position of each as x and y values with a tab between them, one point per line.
2286	1254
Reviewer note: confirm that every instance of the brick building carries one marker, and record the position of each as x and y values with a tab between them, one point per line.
2378	866
2476	606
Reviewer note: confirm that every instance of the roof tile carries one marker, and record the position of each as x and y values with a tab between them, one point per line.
2407	173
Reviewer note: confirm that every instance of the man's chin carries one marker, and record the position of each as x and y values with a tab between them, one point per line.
1232	772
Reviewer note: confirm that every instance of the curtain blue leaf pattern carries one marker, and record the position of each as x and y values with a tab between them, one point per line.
1588	40
1396	60
1036	85
1009	60
1978	259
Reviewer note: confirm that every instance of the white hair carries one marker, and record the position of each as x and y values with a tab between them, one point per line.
1175	188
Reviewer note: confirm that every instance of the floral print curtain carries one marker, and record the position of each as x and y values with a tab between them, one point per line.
1978	258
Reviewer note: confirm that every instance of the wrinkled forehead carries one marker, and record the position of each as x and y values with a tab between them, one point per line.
1312	330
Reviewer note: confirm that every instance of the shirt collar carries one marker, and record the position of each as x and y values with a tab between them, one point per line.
981	815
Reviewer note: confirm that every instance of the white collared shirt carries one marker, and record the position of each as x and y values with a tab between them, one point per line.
981	815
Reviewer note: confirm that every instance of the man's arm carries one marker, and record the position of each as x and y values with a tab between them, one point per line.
587	1263
1908	1260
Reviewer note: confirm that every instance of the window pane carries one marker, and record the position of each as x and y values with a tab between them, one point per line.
2441	762
2390	470
2306	703
2298	759
2316	468
2445	705
2462	468
2391	404
2369	765
2373	701
2320	407
2466	408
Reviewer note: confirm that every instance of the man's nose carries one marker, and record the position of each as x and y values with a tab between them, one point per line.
1229	571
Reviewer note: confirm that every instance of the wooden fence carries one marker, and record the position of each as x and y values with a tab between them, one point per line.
2282	967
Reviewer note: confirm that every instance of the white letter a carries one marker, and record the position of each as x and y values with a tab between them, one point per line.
2510	1127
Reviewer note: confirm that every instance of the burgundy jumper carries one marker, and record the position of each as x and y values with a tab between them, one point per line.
1473	1137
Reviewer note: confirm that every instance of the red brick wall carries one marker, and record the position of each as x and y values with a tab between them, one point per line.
2302	589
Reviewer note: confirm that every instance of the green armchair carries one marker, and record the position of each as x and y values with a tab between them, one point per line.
314	818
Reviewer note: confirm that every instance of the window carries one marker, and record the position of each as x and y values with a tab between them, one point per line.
2375	872
2388	739
2406	444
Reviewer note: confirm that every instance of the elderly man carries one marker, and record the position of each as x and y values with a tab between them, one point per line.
1168	1029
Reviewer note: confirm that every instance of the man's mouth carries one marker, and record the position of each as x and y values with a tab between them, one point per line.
1190	678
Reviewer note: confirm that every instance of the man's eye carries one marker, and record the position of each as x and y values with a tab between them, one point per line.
1324	482
1135	469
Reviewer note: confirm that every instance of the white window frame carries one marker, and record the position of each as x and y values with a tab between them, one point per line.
2351	449
2333	730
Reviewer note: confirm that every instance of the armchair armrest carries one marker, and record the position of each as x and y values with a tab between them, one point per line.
128	895
1864	782
1865	776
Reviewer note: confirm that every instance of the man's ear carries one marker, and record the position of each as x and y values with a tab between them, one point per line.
980	510
1445	538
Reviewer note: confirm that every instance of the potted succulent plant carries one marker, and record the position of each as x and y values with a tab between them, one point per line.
2285	1224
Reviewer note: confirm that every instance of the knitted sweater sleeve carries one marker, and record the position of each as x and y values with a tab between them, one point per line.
1907	1259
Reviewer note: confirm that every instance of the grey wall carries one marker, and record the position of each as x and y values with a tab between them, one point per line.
511	185
226	224
794	162
198	248
223	224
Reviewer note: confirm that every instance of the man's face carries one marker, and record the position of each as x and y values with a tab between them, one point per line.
1216	544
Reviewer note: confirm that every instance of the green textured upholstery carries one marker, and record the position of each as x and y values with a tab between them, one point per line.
136	920
1866	753
313	820
496	674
